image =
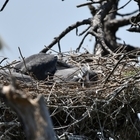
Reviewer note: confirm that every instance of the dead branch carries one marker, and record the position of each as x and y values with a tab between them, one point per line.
5	3
119	22
82	41
89	3
137	30
67	30
114	69
121	7
127	14
97	25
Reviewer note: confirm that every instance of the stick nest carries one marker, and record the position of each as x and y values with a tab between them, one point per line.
103	109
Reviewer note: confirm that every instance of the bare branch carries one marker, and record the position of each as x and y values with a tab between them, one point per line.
4	5
89	3
119	22
128	14
97	25
137	30
82	41
67	30
120	7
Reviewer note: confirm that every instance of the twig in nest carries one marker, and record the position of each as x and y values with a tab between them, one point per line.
48	99
122	57
14	122
33	113
3	60
23	59
100	125
83	116
7	131
113	69
116	92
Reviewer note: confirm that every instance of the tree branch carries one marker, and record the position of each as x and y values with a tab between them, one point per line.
66	31
137	30
117	23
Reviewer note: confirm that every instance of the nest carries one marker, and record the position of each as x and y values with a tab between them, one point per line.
102	109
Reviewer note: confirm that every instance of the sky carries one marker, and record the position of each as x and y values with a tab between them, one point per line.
32	24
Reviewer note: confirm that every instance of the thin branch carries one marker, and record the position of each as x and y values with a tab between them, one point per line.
85	30
137	30
84	4
22	59
7	131
3	60
123	56
89	3
66	31
128	14
59	47
124	5
77	50
116	92
76	31
120	7
4	5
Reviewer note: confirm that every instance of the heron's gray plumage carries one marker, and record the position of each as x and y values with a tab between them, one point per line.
42	65
74	74
66	74
18	76
38	65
